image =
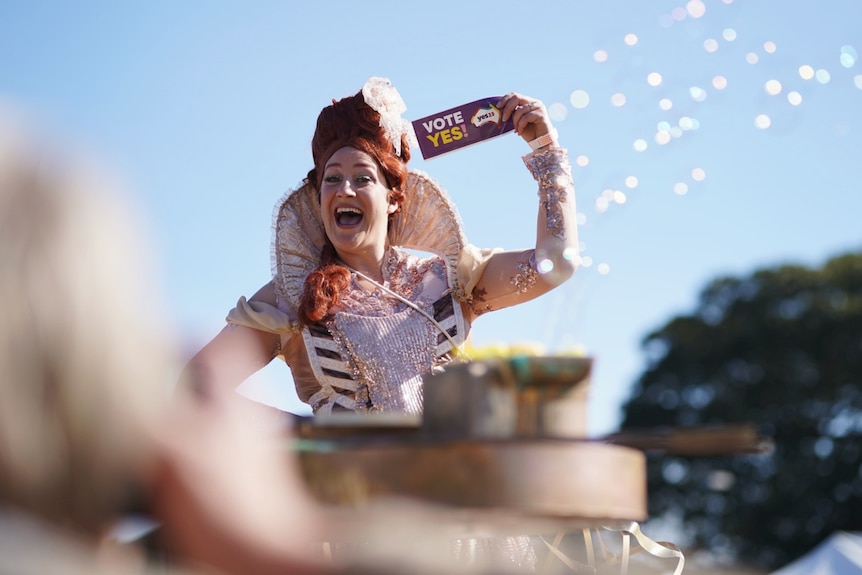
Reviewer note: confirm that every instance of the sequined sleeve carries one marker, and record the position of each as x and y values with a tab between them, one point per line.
550	167
262	316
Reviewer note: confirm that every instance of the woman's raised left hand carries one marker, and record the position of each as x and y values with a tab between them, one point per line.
528	114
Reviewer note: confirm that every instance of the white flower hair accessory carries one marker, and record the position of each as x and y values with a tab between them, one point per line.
381	95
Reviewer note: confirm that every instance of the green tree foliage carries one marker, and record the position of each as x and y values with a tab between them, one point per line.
781	349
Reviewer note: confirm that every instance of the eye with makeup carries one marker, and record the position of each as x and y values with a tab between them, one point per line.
358	180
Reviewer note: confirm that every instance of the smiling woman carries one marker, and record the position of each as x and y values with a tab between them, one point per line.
355	206
359	318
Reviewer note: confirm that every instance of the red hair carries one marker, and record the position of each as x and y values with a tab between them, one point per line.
347	122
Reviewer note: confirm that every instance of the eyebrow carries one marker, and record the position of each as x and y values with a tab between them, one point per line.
362	164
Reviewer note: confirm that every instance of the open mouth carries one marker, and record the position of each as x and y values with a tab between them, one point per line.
348	217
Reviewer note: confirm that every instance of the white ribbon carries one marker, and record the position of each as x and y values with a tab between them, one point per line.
659	549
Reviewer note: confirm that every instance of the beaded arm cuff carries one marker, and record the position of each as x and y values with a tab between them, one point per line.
551	169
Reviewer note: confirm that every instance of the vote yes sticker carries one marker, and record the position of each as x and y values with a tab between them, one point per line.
461	126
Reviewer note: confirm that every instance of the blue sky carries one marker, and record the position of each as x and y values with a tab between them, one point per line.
206	110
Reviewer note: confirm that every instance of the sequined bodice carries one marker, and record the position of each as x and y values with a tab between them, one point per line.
372	353
418	280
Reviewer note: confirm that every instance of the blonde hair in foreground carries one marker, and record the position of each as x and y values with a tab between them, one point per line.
83	366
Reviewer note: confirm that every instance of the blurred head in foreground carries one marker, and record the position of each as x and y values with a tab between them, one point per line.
83	365
88	426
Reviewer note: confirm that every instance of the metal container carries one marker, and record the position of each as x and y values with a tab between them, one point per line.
525	397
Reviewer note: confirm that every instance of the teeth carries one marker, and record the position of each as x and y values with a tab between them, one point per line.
340	211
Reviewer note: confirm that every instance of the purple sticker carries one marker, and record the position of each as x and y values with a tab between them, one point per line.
459	127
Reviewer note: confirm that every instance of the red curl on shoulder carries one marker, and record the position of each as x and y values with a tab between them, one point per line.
322	288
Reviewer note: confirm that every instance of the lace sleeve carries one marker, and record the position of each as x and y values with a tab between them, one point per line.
551	169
